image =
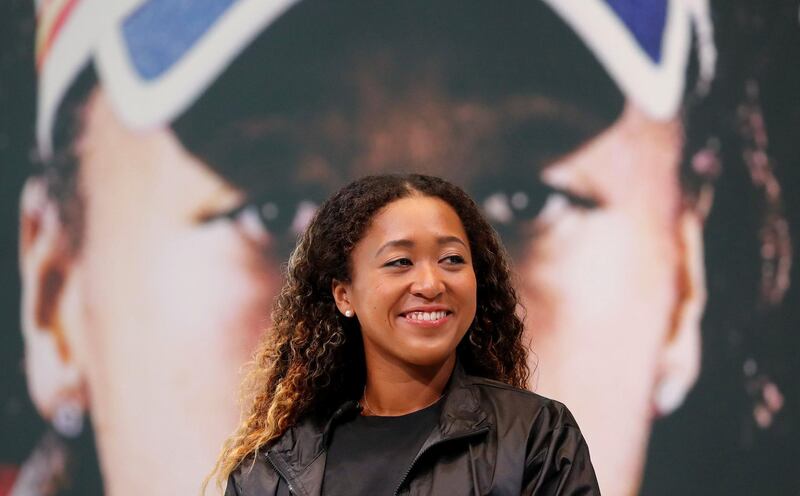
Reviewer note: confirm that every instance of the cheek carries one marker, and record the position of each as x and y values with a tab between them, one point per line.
377	306
377	295
196	290
171	317
600	292
468	295
604	279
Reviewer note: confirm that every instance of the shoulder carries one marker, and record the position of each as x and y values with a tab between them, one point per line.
528	421
540	433
539	436
252	476
521	404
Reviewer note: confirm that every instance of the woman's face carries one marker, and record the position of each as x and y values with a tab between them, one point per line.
412	286
161	306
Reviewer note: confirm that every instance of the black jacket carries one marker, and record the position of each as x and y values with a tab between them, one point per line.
491	438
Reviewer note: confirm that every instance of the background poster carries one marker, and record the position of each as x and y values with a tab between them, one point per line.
133	292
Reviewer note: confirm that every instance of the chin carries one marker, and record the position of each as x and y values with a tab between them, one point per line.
424	356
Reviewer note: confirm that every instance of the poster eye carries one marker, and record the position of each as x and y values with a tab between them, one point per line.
506	207
259	217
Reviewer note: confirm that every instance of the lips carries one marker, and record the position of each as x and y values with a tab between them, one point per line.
426	317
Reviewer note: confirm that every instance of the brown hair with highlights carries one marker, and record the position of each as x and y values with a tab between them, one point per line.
312	359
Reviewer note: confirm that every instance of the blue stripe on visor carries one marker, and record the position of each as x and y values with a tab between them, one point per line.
160	32
646	20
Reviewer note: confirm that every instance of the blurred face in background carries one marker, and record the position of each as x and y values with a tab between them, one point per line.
157	309
611	279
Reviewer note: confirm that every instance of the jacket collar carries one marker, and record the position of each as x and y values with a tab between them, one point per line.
461	412
299	455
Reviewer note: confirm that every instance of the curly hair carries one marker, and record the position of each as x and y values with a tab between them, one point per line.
312	359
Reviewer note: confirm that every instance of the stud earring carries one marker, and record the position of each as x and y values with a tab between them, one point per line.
68	418
348	313
668	396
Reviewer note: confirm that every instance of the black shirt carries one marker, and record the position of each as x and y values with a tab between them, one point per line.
370	455
511	442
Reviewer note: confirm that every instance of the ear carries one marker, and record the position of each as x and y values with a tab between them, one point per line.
680	359
341	295
55	381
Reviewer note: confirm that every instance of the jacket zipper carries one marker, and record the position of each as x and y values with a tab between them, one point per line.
437	443
281	473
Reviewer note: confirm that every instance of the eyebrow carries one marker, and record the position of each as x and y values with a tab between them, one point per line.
407	243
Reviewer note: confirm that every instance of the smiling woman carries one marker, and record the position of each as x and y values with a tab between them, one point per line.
413	290
396	363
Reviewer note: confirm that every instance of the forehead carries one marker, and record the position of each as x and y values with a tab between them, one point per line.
417	219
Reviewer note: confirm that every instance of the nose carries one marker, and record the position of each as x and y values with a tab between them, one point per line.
428	283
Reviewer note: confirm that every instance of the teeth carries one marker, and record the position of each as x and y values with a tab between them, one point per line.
426	315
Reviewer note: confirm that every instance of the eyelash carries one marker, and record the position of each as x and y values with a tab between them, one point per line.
579	201
454	260
506	207
269	217
396	263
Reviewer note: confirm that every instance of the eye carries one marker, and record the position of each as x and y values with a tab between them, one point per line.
454	260
507	206
398	262
249	223
575	199
259	218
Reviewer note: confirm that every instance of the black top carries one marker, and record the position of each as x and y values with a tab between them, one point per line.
370	455
489	438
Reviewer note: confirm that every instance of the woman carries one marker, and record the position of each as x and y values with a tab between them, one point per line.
397	351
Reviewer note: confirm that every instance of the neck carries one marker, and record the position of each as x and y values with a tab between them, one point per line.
397	389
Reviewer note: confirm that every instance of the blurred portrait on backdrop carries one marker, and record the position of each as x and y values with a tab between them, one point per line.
183	146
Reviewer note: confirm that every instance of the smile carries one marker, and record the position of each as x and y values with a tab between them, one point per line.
427	318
